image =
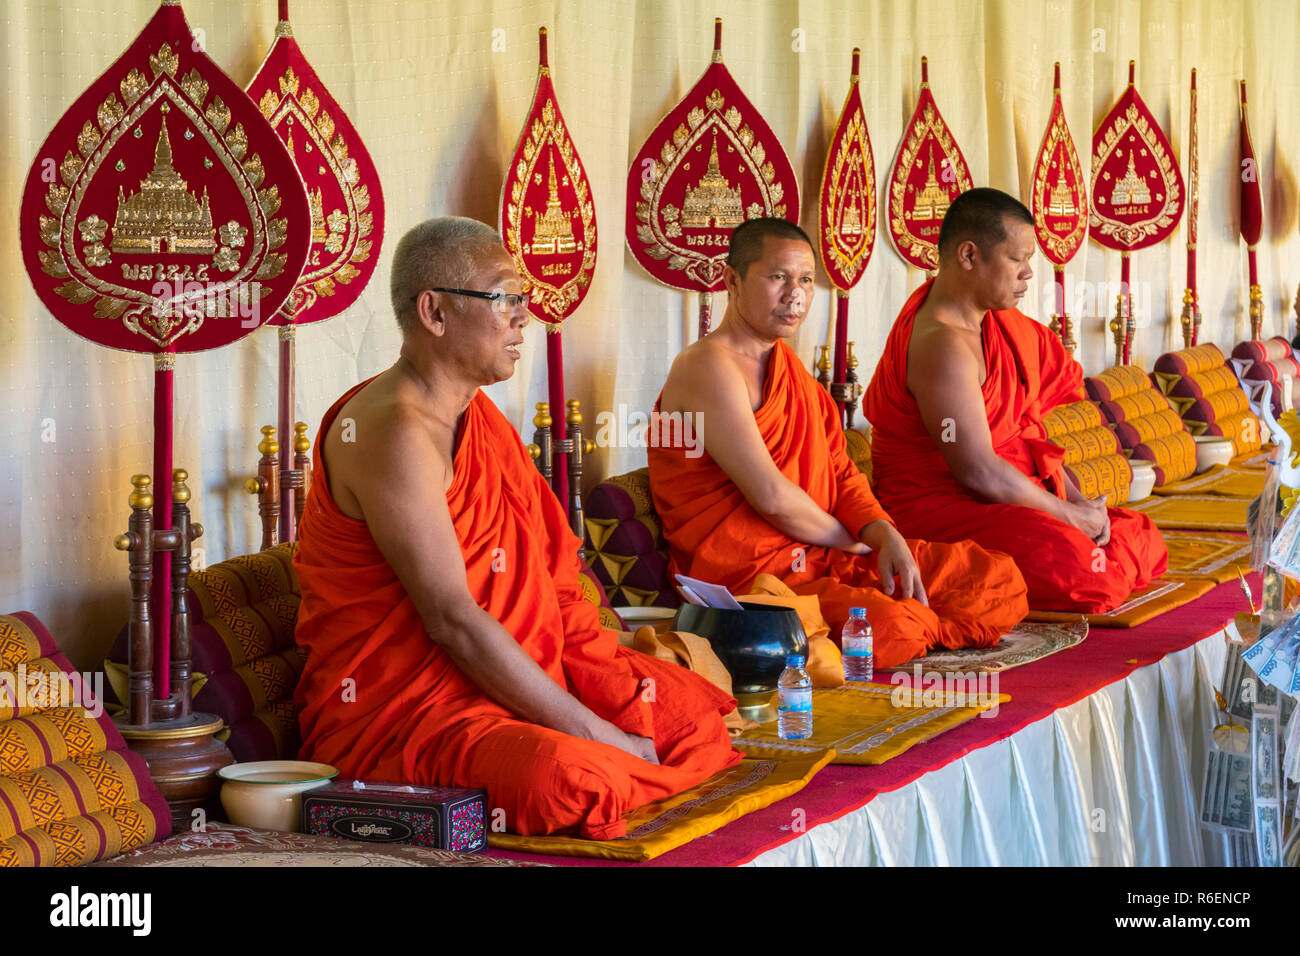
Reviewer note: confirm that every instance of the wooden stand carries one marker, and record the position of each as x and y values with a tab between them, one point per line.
573	446
178	745
274	484
845	393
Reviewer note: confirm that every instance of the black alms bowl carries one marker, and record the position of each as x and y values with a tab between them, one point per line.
752	643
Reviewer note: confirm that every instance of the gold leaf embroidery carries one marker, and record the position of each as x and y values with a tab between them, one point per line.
272	265
254	171
56	198
218	114
310	104
52	263
88	138
325	125
289	83
71	167
269	200
237	141
195	87
75	292
164	61
107	307
110	113
268	103
275	232
133	86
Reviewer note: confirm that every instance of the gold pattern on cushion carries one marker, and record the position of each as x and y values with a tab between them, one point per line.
1089	443
1074	417
1108	475
17	642
1120	381
617	566
1156	425
1244	430
1174	455
599	530
1144	404
858	447
609	620
637	485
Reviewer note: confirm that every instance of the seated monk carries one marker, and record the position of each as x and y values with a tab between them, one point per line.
448	639
773	489
957	404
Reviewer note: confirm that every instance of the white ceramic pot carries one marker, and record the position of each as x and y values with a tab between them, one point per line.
1212	450
1144	479
268	793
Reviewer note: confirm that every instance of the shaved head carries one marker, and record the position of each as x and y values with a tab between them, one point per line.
437	253
747	240
980	216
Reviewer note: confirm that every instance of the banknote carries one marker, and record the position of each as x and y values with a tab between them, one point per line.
1279	670
1268	834
1234	672
1243	850
1263	733
1226	800
1285	548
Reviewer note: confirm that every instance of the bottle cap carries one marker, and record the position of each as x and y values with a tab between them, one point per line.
794	660
858	612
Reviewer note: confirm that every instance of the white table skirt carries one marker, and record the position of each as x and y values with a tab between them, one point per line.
1112	780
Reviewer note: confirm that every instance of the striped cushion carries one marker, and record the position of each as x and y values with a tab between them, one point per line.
1207	396
1092	452
1145	423
70	791
1269	361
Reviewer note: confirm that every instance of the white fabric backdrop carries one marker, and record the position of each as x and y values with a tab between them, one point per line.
440	109
1112	780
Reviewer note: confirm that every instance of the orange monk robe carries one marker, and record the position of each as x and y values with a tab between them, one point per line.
381	701
1029	374
714	534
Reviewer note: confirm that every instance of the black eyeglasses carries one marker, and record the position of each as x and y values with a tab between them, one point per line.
503	302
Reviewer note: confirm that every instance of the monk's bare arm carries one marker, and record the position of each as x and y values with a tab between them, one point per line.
943	375
711	387
398	478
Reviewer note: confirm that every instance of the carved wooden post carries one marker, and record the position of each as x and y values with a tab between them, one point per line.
580	447
823	366
187	532
138	543
1119	328
301	465
853	391
541	448
267	485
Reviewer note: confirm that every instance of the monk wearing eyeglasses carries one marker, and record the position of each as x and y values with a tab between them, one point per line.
448	639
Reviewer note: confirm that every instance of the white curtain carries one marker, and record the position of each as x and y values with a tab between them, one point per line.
439	90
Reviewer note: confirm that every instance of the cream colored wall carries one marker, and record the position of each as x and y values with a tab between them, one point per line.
440	110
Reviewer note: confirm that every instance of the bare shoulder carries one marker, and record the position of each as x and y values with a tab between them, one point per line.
938	351
381	434
697	374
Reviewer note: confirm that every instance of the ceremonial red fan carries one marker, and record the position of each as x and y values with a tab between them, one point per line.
346	213
1252	219
928	173
711	164
846	211
1059	203
156	218
1137	192
548	221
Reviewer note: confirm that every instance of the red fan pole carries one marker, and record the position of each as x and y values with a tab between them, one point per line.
1129	323
288	363
284	10
1192	305
840	366
161	593
555	383
706	313
1058	297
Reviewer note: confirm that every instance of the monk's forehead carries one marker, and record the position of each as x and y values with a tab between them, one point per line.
493	264
792	252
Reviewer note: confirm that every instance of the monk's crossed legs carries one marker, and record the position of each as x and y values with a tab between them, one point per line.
975	597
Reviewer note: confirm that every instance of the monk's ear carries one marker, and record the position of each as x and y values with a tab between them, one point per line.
966	254
731	280
429	309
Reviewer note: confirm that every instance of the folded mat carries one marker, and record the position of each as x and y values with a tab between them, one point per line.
1025	643
1229	480
1213	555
867	724
1195	512
1161	595
667	824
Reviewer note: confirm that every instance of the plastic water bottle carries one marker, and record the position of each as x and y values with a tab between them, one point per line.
857	646
794	701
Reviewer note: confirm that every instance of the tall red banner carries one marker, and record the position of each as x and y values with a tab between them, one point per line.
929	172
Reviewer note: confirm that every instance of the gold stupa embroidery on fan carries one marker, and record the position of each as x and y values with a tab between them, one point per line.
713	200
552	228
163	215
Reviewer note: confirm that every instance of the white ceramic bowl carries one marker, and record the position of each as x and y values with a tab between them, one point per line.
1144	479
268	793
1212	450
